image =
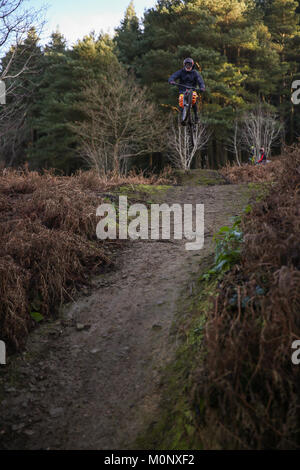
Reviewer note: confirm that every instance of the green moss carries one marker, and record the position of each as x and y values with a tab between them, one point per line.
199	177
145	193
152	189
143	188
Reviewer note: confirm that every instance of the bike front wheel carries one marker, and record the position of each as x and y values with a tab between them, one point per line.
186	112
184	115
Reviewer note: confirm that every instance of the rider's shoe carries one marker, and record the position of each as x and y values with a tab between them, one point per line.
196	119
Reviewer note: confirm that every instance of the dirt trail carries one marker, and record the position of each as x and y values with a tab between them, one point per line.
99	387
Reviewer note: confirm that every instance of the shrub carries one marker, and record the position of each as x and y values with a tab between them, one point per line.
247	380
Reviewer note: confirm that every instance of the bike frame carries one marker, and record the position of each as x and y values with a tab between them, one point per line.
187	102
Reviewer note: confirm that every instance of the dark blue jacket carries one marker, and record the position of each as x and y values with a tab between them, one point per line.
192	78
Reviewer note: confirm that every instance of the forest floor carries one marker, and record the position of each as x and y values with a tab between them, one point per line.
92	379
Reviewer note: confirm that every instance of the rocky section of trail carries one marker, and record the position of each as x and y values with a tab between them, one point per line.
92	380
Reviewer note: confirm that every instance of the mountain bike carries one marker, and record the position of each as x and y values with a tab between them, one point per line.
187	117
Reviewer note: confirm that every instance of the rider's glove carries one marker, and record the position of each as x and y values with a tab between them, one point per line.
202	89
173	83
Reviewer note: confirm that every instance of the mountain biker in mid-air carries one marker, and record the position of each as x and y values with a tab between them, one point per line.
190	77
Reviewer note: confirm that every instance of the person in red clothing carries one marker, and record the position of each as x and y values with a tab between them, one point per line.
263	158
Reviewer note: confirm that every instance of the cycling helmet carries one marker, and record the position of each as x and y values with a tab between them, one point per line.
188	61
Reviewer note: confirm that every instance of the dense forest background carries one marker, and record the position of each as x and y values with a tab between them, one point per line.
105	102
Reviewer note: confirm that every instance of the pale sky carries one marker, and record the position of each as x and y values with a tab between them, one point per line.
76	18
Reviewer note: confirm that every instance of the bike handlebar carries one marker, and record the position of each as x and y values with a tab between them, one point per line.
186	86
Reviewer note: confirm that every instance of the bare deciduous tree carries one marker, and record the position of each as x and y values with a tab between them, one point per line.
15	22
235	142
260	128
253	130
120	123
16	61
181	147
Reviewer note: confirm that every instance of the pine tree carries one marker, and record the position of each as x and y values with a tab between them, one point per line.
57	44
128	39
238	51
218	37
66	72
283	24
16	132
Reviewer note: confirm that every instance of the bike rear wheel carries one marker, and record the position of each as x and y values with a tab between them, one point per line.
193	130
